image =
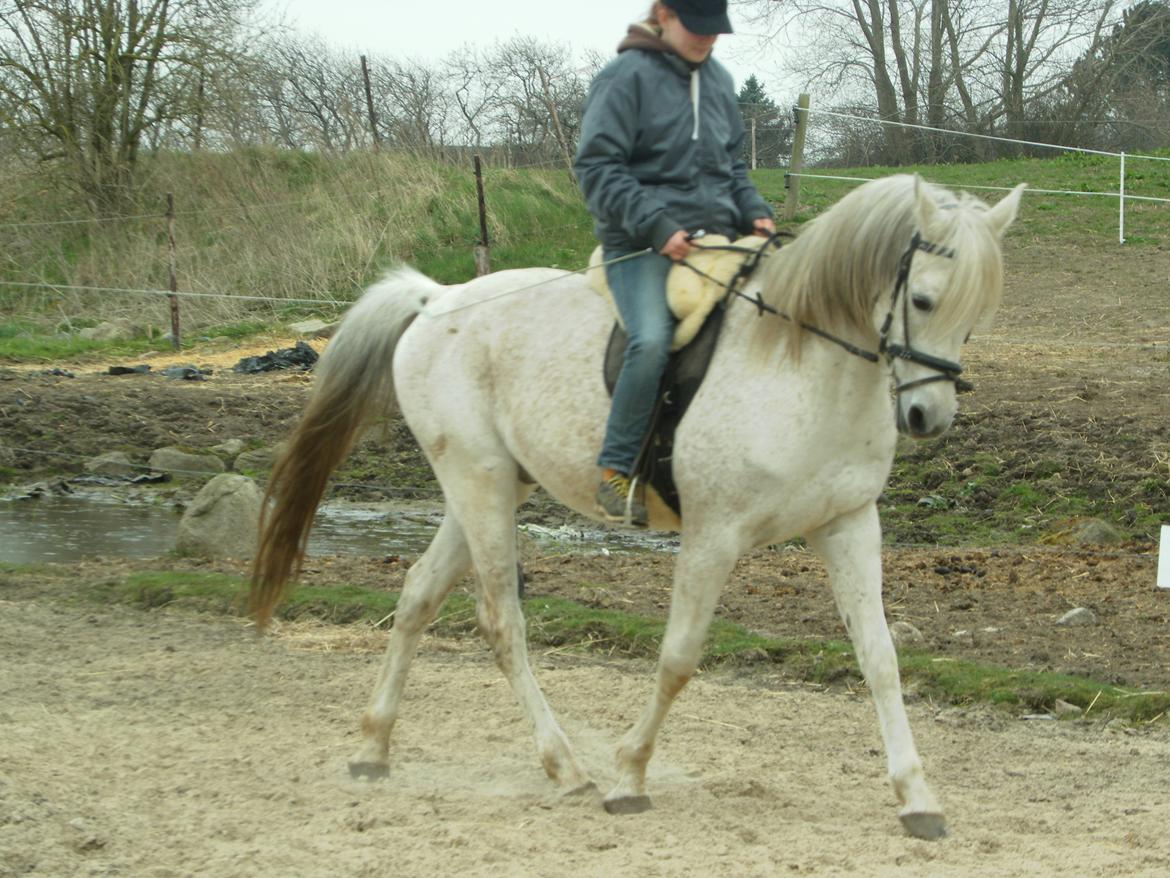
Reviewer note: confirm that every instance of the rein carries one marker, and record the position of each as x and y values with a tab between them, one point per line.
946	369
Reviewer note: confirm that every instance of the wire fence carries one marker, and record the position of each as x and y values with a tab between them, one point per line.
1122	193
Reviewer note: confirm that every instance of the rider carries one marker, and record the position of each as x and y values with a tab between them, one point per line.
660	157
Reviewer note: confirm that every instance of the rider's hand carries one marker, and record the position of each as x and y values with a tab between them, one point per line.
677	246
763	226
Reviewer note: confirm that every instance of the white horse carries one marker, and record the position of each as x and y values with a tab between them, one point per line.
792	433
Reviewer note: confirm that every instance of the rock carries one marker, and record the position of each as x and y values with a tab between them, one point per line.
904	632
223	519
313	328
185	465
258	460
112	463
229	448
113	330
1095	532
1079	616
1064	709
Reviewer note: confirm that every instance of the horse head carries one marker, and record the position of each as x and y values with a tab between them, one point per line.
949	278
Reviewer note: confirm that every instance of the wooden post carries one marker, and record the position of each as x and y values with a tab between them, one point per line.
370	106
482	252
796	165
174	277
753	143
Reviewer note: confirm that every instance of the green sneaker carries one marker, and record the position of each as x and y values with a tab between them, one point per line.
615	502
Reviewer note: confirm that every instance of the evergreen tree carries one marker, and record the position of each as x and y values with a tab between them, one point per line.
772	125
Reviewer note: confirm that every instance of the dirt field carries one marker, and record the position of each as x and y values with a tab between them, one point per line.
168	744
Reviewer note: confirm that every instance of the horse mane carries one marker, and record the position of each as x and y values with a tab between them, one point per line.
846	258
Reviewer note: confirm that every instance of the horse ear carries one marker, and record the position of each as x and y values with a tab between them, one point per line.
925	208
1002	215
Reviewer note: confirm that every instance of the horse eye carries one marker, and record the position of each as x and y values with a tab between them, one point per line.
922	303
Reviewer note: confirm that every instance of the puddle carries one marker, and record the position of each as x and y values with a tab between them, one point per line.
80	525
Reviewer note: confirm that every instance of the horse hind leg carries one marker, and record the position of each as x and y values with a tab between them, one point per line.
488	494
851	550
428	582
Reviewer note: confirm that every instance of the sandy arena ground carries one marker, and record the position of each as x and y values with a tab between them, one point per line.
170	744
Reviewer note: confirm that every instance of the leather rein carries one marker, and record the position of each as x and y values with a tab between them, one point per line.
945	370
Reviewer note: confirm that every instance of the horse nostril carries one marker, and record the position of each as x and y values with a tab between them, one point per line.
917	420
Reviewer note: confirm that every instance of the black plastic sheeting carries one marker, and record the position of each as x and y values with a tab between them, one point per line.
300	357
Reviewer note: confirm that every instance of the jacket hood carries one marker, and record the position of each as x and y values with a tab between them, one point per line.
647	35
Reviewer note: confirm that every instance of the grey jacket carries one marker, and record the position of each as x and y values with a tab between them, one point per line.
660	149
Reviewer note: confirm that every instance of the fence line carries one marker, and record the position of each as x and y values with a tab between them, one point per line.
874	121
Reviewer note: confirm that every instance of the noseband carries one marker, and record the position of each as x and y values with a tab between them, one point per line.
946	369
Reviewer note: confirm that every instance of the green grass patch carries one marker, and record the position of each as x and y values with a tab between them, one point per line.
23	342
557	622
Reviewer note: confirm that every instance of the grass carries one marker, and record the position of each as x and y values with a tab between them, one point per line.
284	225
1089	218
564	624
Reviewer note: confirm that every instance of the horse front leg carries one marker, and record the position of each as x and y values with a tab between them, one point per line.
700	572
851	549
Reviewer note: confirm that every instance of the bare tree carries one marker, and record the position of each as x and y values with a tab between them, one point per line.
540	96
85	81
970	62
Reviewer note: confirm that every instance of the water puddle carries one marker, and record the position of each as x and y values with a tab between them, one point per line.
65	528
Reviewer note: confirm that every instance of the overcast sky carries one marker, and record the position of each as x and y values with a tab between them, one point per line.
428	31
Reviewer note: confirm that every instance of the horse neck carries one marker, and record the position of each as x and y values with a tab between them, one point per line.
825	383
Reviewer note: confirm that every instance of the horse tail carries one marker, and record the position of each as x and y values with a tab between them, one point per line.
354	384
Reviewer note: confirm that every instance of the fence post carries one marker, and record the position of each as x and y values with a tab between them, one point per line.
796	165
1121	205
174	278
370	106
482	253
753	143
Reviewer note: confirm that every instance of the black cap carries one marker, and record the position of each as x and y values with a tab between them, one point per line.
702	17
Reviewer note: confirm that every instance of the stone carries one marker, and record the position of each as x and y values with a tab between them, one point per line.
112	463
904	632
258	460
313	328
223	520
113	330
184	464
1078	616
1095	532
229	447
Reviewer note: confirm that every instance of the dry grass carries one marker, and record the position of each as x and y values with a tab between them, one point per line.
275	225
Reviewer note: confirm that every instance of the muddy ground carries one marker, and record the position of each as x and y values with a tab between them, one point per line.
1068	422
170	744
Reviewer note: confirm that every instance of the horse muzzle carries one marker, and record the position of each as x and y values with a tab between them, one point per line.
920	420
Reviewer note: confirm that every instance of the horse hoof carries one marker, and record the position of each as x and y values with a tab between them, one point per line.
589	788
627	805
369	770
928	826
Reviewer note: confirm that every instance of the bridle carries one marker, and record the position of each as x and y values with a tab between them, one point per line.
946	370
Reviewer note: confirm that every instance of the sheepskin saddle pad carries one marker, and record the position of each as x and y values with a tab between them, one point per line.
690	294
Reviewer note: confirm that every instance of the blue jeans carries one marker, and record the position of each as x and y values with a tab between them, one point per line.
639	291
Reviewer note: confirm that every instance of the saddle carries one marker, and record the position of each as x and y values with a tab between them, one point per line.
695	295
